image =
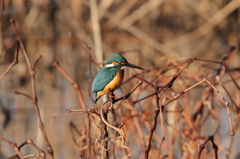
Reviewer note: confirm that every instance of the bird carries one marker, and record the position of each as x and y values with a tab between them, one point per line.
110	76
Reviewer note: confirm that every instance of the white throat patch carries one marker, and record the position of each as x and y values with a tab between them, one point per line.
109	65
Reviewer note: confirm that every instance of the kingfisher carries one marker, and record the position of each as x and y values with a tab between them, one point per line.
110	76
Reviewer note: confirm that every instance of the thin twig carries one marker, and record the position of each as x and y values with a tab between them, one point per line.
226	103
147	147
215	147
34	96
76	87
15	61
14	146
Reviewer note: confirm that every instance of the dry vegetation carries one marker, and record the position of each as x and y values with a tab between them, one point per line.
184	105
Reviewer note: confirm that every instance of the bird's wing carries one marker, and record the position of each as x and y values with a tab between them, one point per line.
104	76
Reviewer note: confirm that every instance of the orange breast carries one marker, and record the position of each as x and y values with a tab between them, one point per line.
113	84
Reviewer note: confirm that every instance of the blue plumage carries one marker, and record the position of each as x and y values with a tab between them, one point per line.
116	58
104	76
110	76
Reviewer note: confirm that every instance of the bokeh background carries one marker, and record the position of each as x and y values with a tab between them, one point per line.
150	31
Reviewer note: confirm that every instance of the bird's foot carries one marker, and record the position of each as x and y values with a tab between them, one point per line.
112	96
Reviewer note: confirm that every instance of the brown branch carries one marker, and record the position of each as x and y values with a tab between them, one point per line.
33	155
36	62
88	49
104	133
41	154
14	146
125	96
65	74
159	149
230	97
202	146
147	147
134	102
234	81
34	96
23	48
143	80
15	61
86	111
226	103
225	60
25	95
76	87
73	128
181	93
170	83
206	60
104	115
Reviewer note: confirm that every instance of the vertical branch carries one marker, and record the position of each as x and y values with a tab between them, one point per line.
152	129
226	103
120	132
76	87
34	100
104	134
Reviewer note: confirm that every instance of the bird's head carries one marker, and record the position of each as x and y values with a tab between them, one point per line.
118	61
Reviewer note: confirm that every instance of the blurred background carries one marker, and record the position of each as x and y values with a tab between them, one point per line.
150	32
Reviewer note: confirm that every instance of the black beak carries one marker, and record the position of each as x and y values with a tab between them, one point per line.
133	66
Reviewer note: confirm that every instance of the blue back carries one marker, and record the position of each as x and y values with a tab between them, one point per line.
104	76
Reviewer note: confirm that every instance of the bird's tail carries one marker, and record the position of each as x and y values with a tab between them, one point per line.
95	97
